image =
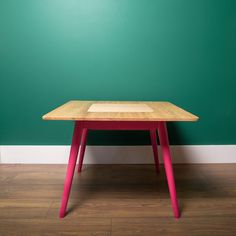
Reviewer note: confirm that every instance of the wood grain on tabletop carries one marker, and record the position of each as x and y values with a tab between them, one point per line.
119	111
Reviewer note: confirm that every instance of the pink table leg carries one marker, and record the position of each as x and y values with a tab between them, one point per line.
82	148
162	130
153	136
70	168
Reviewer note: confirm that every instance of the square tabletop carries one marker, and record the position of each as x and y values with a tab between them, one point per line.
119	111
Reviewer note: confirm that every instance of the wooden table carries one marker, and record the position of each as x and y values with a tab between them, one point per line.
119	115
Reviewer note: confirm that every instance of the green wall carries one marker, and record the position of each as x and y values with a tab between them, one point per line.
52	51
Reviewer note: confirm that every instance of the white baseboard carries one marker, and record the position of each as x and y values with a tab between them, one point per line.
117	154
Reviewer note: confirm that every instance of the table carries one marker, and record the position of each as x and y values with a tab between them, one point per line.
120	115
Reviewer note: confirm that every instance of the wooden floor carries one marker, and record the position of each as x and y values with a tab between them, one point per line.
117	200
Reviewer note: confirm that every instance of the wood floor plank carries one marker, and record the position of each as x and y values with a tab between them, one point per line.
198	207
117	200
83	226
169	226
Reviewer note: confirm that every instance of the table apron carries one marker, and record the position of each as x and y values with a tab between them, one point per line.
119	125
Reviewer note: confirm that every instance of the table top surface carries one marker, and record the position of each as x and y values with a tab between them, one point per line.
119	111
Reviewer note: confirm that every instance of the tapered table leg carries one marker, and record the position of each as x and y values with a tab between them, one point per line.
163	136
70	168
82	148
153	136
